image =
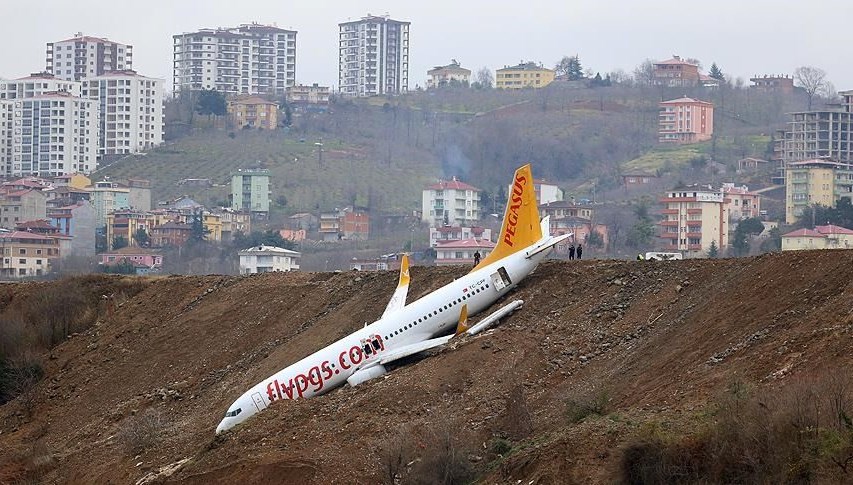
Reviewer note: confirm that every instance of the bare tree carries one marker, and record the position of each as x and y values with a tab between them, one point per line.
812	80
485	80
644	74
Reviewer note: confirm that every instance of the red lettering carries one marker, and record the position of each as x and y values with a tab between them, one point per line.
278	388
358	357
378	338
327	370
512	215
270	394
288	389
343	361
301	384
315	378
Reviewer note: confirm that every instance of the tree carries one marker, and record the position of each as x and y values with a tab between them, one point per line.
574	70
211	103
716	73
713	250
812	80
745	228
119	242
562	67
198	233
485	80
142	238
644	74
641	233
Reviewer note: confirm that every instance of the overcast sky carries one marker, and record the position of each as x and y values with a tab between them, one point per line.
744	37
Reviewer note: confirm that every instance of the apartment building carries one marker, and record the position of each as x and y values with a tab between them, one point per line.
685	120
108	197
77	221
676	72
253	112
820	134
37	84
773	83
442	234
694	217
48	134
21	205
131	108
462	252
524	75
373	56
82	57
264	259
308	98
815	181
449	75
27	254
451	202
250	191
740	202
248	59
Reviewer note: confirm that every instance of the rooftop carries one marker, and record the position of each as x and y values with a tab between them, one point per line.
465	243
685	99
452	184
256	250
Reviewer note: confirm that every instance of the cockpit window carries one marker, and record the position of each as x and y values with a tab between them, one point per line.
233	413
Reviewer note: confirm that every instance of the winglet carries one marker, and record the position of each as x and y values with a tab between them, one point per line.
521	227
462	326
398	299
404	272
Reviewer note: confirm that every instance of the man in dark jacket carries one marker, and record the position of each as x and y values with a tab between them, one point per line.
580	251
572	251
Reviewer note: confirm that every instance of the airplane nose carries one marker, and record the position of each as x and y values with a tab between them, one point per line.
221	427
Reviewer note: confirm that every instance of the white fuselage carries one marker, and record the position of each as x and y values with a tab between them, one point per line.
434	314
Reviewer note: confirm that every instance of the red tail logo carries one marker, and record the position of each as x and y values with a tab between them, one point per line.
514	206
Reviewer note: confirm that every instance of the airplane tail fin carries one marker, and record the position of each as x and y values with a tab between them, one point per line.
521	226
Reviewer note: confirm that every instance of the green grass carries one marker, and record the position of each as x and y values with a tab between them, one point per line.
348	175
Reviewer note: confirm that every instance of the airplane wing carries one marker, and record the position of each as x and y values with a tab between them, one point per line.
398	299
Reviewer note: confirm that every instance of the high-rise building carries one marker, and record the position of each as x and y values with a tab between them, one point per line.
48	134
83	56
250	191
131	109
815	181
249	59
36	84
373	56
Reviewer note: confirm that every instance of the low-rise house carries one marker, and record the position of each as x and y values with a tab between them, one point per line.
526	74
740	202
264	259
452	74
253	112
462	252
782	83
27	254
637	179
567	208
386	262
170	234
444	234
821	237
294	235
313	98
137	256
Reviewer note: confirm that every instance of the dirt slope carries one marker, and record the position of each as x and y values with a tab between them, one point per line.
660	338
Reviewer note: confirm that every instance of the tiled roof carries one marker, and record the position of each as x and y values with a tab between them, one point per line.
129	250
25	235
803	233
466	243
451	184
685	100
676	61
832	229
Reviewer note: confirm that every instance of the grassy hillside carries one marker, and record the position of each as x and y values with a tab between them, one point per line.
347	175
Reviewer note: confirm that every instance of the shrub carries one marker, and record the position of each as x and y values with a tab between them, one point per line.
578	409
139	432
58	311
442	461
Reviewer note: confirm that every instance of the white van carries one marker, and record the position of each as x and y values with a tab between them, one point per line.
656	256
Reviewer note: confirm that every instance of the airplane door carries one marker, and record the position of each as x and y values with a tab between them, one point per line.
500	279
258	400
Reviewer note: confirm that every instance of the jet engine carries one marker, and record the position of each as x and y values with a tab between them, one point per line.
363	375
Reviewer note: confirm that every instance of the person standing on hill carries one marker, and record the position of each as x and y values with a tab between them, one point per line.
572	251
476	258
580	251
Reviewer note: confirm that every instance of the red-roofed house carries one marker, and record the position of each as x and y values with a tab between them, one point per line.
462	252
137	256
444	234
821	237
27	254
451	202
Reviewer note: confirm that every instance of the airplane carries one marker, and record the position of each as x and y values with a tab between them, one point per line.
403	329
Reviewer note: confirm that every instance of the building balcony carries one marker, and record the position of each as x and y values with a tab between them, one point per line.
670	211
669	223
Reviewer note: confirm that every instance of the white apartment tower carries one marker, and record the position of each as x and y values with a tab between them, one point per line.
131	109
373	57
48	134
83	56
249	59
36	84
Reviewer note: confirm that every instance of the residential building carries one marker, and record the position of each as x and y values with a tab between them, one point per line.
740	203
233	222
526	74
308	98
73	180
139	193
751	164
170	234
304	220
442	234
355	224
462	252
373	56
248	59
564	208
17	206
27	254
450	75
686	120
386	262
582	230
253	112
694	217
676	72
83	56
48	134
773	83
137	256
819	134
78	222
250	191
816	181
637	179
131	111
821	237
330	226
37	84
451	202
265	259
108	197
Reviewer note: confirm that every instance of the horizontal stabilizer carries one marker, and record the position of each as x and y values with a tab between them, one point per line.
546	245
414	349
463	320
